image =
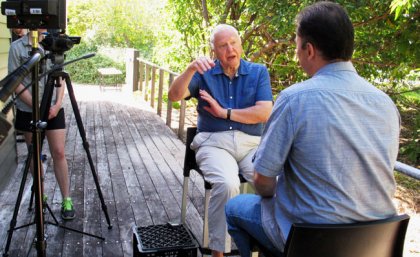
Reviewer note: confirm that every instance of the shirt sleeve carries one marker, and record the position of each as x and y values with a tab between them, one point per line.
13	61
194	86
276	141
264	92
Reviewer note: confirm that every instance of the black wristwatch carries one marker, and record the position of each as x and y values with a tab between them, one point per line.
229	111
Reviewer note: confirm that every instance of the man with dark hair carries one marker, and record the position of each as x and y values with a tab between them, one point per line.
234	100
328	150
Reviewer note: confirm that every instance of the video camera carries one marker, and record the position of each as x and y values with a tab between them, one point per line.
58	42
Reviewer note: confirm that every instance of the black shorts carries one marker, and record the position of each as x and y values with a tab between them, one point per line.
24	119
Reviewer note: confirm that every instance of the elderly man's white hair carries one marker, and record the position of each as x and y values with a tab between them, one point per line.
219	28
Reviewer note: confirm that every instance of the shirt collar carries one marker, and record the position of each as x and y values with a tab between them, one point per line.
336	66
243	69
25	40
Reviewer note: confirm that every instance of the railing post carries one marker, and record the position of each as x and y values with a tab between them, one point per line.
160	94
152	90
146	84
169	109
132	70
141	75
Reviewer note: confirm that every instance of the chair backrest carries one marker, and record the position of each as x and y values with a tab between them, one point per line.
383	238
189	160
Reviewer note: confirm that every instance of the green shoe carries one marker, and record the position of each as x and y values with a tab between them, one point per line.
44	198
44	203
67	210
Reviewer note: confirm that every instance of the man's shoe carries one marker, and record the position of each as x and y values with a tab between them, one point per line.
67	210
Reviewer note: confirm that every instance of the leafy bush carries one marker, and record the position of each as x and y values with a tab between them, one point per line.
86	71
408	104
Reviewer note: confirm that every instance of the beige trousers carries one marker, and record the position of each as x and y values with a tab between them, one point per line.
221	156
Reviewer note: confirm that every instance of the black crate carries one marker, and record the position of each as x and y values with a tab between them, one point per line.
163	241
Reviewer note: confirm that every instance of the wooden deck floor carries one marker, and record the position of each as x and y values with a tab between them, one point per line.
139	164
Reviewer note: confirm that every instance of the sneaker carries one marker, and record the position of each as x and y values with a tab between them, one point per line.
44	198
44	203
67	210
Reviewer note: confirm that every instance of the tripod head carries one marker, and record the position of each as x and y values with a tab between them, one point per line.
57	43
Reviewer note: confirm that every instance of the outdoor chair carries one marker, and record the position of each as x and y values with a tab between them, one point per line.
191	164
381	238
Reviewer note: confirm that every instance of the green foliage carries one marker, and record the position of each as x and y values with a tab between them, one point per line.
400	6
116	23
387	49
408	182
412	149
408	103
86	70
176	105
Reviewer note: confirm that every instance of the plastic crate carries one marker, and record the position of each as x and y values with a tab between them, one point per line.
163	241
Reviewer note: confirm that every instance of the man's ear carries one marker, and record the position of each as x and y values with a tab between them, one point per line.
310	51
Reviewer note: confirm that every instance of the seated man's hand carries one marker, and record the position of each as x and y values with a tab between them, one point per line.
214	107
202	64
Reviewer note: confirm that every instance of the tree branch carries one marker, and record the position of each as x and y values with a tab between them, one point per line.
205	12
379	64
249	32
374	19
229	4
268	47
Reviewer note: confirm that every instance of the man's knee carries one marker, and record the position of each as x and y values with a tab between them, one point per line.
227	187
230	209
235	203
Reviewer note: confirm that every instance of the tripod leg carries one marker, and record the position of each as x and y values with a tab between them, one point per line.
44	110
32	188
86	145
18	201
31	201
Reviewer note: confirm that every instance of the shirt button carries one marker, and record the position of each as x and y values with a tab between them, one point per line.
231	97
230	127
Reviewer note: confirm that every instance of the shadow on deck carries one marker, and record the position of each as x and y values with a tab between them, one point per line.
139	164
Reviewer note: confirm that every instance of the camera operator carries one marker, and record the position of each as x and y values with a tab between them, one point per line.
18	33
20	51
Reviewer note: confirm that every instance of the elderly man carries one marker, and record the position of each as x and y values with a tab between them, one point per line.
329	148
234	100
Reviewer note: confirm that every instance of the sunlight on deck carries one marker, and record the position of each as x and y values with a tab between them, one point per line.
85	92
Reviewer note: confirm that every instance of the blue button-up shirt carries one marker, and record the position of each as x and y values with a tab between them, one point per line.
332	142
250	84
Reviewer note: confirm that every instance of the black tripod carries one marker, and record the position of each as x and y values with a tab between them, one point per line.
53	81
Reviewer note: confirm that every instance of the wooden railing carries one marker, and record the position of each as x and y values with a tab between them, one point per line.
152	82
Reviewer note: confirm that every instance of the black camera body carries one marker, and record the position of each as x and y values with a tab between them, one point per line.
35	14
59	43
